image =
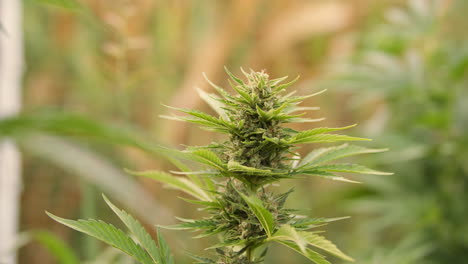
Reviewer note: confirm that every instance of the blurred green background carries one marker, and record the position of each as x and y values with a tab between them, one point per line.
98	72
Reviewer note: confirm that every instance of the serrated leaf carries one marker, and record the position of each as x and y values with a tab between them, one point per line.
164	250
319	130
138	231
276	81
283	86
311	222
263	114
289	233
231	243
219	89
213	101
302	98
324	244
309	253
192	224
234	78
204	203
108	234
208	158
322	138
202	118
263	215
351	168
178	183
234	166
201	259
323	155
245	95
303	120
326	175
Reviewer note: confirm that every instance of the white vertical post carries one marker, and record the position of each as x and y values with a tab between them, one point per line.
11	65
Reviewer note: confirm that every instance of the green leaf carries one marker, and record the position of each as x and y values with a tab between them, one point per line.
201	260
234	78
317	135
234	166
219	89
138	231
203	203
307	223
302	98
324	244
108	234
56	247
282	86
323	155
68	4
325	174
165	251
274	82
303	120
263	215
179	183
70	124
323	138
208	158
289	233
229	243
213	101
310	254
352	168
191	224
201	118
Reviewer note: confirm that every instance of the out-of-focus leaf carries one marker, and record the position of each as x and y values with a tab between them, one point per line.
96	170
179	183
55	246
81	127
164	250
68	4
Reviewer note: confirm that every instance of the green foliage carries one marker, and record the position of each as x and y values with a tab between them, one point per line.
416	66
259	152
55	246
142	248
232	180
68	4
263	215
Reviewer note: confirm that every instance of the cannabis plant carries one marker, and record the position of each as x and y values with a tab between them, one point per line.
233	185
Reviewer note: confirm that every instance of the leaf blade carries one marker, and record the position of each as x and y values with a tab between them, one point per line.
135	227
179	183
108	234
263	215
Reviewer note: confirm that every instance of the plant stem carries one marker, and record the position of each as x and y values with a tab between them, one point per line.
249	254
88	210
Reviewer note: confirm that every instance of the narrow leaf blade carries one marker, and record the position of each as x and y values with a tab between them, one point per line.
108	234
262	214
137	230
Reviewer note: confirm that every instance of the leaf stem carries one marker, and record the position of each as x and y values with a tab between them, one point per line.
249	254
